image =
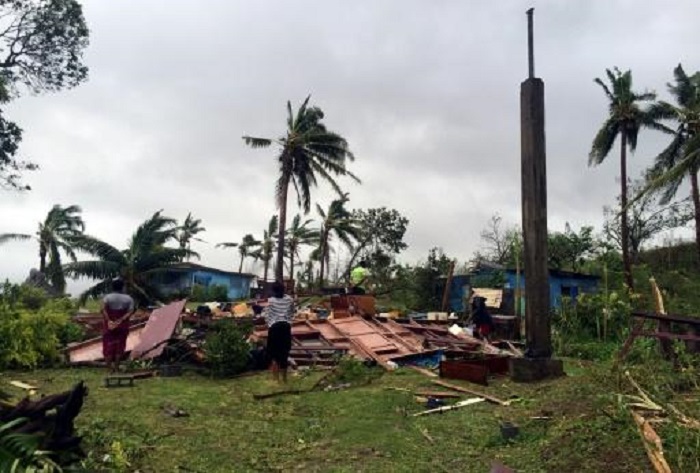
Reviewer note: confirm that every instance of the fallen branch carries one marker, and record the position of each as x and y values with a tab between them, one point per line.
652	444
647	402
487	397
466	402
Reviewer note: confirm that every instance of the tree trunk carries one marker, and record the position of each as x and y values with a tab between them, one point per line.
279	270
696	204
42	258
291	262
267	265
240	266
324	250
624	229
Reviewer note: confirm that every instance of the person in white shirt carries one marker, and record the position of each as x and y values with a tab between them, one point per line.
278	315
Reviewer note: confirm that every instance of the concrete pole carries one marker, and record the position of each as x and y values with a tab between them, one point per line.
534	202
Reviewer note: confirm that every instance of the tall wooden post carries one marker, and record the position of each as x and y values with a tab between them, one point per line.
537	363
534	201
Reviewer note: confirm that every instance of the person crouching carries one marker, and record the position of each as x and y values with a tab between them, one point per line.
278	315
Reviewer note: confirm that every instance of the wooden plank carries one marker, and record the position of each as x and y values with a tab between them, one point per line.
438	394
461	389
466	402
680	319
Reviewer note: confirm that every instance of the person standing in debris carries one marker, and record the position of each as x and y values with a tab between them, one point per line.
358	277
278	315
481	318
117	308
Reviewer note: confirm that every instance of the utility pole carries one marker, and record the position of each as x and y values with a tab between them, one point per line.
537	363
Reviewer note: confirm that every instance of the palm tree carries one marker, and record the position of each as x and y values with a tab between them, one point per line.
626	118
298	235
307	151
54	235
146	257
338	222
244	248
681	158
267	245
187	231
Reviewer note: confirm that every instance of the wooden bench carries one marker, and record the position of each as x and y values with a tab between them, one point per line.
659	326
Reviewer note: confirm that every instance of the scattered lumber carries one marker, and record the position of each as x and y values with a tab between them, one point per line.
460	404
487	397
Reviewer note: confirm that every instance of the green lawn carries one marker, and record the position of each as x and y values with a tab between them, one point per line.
358	429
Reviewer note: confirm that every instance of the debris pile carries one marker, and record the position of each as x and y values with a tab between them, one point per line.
323	333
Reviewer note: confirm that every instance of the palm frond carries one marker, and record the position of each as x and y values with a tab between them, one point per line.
97	248
603	142
5	237
94	269
226	244
257	142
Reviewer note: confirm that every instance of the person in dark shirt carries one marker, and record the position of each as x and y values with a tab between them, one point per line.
481	318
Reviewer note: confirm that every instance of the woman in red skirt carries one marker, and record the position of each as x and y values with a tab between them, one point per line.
117	308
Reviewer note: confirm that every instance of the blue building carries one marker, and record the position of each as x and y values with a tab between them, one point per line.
182	277
561	284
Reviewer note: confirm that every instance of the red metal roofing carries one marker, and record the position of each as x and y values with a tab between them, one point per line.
159	328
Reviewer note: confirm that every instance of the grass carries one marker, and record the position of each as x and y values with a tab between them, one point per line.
364	428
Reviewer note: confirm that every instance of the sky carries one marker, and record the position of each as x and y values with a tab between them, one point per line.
426	93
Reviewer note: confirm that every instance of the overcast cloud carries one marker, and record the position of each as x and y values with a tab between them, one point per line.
426	92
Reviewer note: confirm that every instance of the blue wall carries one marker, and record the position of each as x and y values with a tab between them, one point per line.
238	285
577	284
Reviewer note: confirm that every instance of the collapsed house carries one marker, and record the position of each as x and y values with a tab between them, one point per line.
349	329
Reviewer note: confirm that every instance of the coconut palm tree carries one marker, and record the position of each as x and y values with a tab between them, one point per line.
267	245
306	152
247	244
54	235
146	257
187	231
299	234
627	115
680	159
337	222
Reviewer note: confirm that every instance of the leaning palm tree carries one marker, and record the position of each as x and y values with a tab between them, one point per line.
680	159
307	151
267	245
339	222
244	248
626	118
298	235
187	231
54	235
140	264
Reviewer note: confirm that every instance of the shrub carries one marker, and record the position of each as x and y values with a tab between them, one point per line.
217	293
30	336
226	348
199	293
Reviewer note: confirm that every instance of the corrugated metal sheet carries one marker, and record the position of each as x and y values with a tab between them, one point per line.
159	328
91	350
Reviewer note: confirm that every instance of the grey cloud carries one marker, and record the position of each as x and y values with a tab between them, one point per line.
425	92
